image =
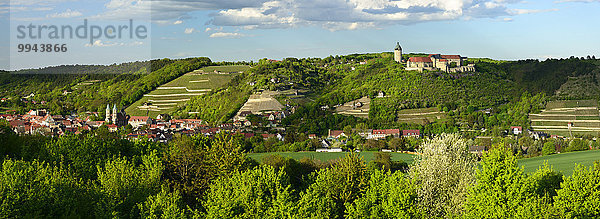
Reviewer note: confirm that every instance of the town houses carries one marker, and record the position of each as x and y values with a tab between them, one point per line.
376	134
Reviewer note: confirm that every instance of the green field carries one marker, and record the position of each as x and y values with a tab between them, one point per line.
420	116
326	156
169	96
564	162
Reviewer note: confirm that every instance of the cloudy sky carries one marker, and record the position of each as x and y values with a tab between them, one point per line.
234	30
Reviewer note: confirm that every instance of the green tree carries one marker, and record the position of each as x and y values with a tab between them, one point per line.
192	163
577	145
333	189
444	170
124	184
165	204
9	140
579	194
39	190
503	191
388	196
259	193
549	148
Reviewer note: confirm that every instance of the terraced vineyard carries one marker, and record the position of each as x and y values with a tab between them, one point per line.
420	116
583	115
166	98
359	108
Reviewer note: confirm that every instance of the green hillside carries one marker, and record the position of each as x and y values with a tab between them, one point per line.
80	88
176	93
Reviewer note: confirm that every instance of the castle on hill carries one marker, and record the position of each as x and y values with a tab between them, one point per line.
434	62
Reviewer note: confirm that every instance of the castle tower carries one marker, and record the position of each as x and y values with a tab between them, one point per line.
398	53
107	114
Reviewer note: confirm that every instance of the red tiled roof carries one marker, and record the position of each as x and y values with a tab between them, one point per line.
268	135
335	133
419	59
138	118
411	132
517	127
451	56
386	131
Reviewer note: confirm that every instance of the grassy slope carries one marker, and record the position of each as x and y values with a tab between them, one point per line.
564	162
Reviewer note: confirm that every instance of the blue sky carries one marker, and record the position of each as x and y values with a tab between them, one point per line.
235	30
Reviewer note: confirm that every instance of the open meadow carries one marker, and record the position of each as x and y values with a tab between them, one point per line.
564	162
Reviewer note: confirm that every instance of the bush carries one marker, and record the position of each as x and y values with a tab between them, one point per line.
548	148
577	145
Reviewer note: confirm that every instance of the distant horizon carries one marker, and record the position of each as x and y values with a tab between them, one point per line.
411	53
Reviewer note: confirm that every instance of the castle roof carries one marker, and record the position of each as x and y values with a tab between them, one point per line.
451	56
419	59
398	47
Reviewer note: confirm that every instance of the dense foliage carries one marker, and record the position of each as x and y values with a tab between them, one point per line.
68	89
200	177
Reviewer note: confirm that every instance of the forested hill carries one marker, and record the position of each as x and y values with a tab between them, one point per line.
328	81
67	89
338	79
542	76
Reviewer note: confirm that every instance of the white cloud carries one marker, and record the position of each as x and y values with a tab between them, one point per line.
329	14
226	35
99	43
529	11
189	30
67	14
178	22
